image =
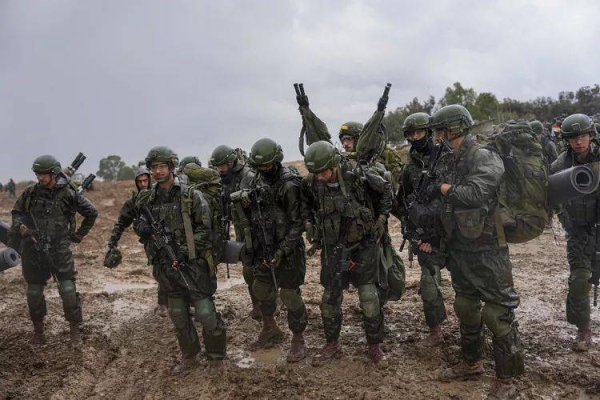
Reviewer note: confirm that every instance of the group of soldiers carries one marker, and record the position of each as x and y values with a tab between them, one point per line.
10	188
343	206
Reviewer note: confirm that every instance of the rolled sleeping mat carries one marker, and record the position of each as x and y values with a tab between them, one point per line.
572	183
9	258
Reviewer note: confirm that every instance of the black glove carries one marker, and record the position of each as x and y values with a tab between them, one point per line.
144	230
75	238
434	191
382	103
302	100
182	256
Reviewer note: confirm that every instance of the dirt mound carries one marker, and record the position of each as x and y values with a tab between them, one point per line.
128	351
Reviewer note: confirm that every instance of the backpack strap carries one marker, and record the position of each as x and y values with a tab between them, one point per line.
500	229
186	206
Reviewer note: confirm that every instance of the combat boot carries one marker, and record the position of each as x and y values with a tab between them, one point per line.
329	351
269	335
503	389
583	341
74	333
298	350
38	332
461	371
255	313
185	364
435	337
377	355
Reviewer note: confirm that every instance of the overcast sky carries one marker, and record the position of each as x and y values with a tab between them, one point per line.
121	76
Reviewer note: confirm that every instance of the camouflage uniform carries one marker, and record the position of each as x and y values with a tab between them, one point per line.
11	187
351	213
195	283
54	211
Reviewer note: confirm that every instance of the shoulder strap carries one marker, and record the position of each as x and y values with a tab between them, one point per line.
187	198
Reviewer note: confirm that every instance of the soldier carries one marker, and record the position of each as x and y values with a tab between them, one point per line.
579	218
182	262
481	271
548	145
273	205
11	187
42	229
189	160
421	156
127	216
235	176
395	284
348	210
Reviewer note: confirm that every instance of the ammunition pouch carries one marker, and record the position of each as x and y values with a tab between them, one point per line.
470	223
581	212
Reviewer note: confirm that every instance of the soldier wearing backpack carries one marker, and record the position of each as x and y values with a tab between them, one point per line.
548	145
177	223
481	271
235	176
272	205
579	218
418	215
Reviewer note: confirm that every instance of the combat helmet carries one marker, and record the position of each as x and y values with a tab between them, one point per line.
577	124
453	117
415	122
537	127
162	153
189	160
352	129
265	151
46	164
222	155
320	156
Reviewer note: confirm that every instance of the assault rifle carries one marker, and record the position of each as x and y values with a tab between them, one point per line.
42	247
339	263
226	223
267	231
162	239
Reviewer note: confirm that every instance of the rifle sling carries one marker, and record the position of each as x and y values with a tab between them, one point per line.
186	205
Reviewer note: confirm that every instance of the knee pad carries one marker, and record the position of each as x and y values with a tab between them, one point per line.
468	310
369	300
178	312
330	311
498	319
36	301
579	285
428	287
263	291
291	298
68	293
206	314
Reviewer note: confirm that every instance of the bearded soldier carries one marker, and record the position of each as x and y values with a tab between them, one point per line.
177	222
42	229
467	184
579	218
413	202
235	176
348	209
276	256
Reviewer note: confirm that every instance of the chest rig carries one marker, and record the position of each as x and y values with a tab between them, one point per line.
51	210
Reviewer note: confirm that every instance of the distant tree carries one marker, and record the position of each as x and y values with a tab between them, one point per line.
126	173
109	168
457	94
486	107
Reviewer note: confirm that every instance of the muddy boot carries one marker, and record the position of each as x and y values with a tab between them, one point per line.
74	333
435	337
269	335
329	351
503	389
461	371
377	355
298	350
185	364
38	332
583	341
161	310
255	313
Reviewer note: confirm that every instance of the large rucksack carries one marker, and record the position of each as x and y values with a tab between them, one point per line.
522	196
208	182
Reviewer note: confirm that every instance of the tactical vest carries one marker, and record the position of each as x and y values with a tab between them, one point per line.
52	210
344	213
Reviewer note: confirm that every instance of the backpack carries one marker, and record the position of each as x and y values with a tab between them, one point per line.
373	138
522	196
208	182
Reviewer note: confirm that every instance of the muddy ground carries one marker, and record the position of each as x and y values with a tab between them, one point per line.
128	351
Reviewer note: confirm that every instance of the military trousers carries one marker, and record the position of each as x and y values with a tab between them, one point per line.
429	289
580	248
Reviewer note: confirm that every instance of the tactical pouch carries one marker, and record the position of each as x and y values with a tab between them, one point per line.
582	212
470	223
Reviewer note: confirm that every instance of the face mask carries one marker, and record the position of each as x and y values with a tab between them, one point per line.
269	175
419	144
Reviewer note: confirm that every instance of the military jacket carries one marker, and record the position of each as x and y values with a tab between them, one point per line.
54	211
468	209
411	176
239	178
126	217
276	207
581	211
166	207
345	211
